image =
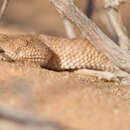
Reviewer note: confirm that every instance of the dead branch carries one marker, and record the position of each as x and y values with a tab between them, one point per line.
69	28
106	22
112	9
90	31
4	7
115	2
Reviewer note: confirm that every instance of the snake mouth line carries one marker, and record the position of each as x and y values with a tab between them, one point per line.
33	59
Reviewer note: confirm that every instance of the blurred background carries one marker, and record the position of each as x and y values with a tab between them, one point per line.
39	16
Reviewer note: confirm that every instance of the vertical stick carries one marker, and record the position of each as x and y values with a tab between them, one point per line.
112	9
3	8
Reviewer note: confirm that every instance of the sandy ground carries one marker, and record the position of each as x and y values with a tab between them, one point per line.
69	100
61	101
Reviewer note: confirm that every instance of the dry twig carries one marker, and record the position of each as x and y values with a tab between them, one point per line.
4	7
69	28
112	9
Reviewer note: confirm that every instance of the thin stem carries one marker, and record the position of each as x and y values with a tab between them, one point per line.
3	8
112	9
